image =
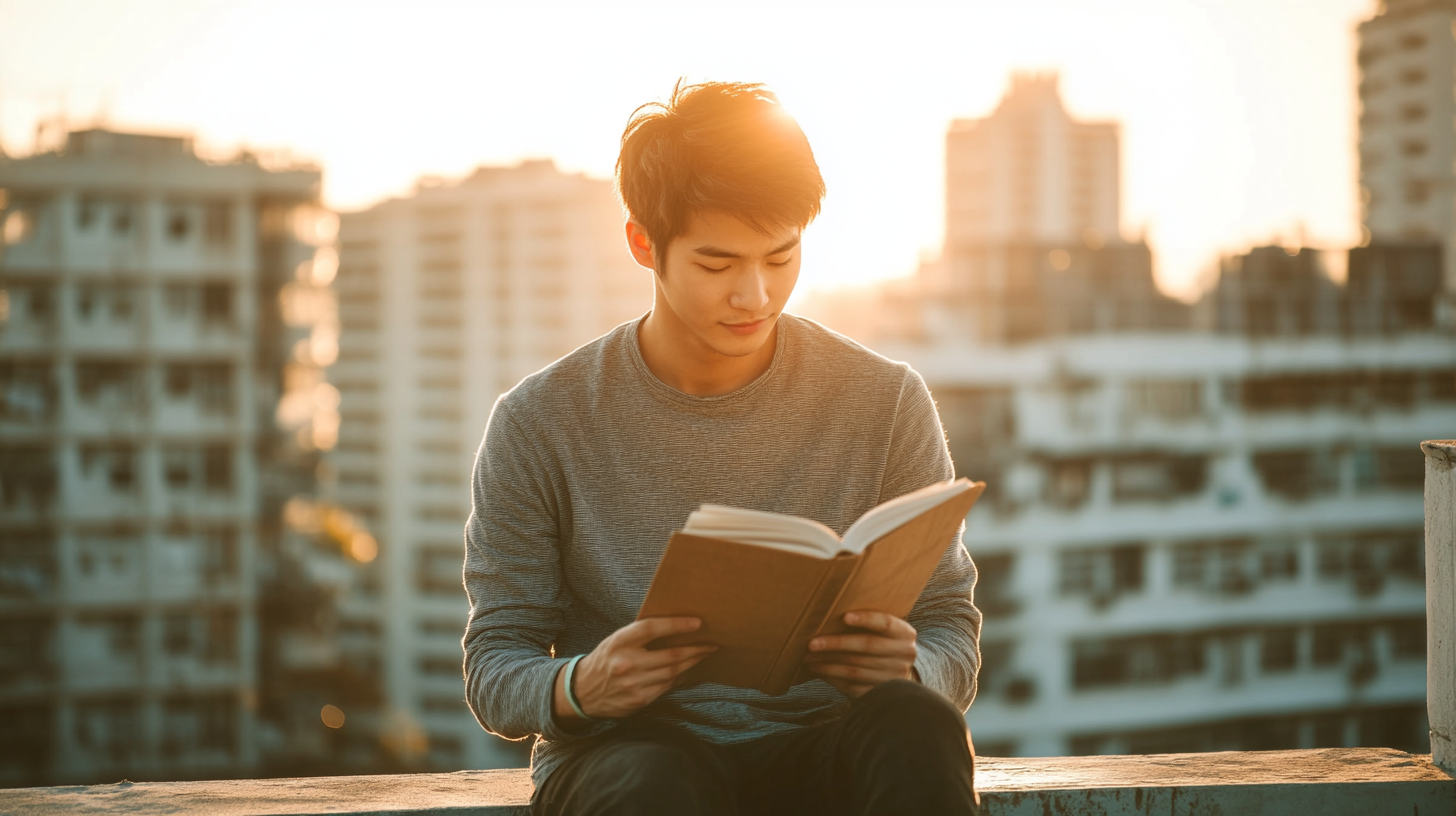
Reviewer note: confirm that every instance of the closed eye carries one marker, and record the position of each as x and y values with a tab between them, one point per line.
707	268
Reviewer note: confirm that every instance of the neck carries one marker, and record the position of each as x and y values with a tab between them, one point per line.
679	359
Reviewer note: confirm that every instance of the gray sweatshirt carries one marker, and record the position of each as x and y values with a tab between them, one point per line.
588	466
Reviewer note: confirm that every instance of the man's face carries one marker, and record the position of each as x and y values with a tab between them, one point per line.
724	284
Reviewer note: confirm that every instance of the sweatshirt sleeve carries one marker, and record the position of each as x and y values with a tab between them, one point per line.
513	581
946	620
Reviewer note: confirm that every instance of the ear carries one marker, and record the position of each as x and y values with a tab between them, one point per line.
640	245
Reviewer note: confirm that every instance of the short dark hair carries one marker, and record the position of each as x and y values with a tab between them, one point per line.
724	146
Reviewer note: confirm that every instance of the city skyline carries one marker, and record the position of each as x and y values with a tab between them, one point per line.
1245	137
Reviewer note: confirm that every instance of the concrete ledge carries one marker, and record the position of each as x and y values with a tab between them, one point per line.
1332	782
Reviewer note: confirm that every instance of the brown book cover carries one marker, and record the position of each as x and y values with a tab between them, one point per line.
762	606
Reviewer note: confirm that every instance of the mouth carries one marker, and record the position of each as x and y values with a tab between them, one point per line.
746	328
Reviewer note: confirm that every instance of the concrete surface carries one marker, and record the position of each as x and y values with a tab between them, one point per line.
1332	782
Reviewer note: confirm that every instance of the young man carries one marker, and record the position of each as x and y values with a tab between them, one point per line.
715	396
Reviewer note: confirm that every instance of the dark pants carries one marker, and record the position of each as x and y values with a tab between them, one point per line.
900	749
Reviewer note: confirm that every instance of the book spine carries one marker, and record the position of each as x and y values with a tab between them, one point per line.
789	665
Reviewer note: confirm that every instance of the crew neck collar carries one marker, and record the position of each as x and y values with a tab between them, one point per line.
660	389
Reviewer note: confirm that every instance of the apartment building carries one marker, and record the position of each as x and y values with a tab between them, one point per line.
1407	91
1202	540
142	356
446	299
1030	172
1203	525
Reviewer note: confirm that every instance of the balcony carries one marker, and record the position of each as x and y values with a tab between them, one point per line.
1331	782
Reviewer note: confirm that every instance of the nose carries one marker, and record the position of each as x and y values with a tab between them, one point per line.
750	290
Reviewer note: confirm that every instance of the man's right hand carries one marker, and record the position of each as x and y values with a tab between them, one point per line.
621	675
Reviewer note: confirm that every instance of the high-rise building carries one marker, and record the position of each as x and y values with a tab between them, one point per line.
1407	62
446	299
1030	173
1199	540
142	359
1032	242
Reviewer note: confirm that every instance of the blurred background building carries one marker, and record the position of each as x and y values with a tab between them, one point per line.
446	299
1203	529
1407	59
142	356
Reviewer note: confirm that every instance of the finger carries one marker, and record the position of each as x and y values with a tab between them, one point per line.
679	668
857	674
864	644
663	675
882	622
650	629
655	658
893	664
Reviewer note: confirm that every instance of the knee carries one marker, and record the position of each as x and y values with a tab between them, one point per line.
645	766
638	778
904	707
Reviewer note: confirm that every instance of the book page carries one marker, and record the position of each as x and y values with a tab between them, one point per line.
774	530
890	515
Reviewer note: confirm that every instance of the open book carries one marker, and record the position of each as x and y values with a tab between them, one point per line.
765	584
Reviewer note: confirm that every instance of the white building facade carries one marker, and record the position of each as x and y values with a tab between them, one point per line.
1030	172
1407	63
1196	542
446	299
141	358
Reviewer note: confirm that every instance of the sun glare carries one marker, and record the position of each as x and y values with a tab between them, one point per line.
1233	131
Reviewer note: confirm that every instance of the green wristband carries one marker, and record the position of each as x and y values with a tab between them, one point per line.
571	695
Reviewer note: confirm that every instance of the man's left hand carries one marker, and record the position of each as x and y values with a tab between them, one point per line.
855	663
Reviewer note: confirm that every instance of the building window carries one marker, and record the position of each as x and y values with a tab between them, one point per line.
1157	477
1278	649
1413	76
179	224
1170	400
1417	191
106	383
178	299
1369	560
27	390
1068	482
1412	41
121	218
27	477
106	730
1389	468
1102	573
217	302
217	223
1233	566
436	704
27	564
217	469
1140	660
1412	148
1297	474
1413	113
116	464
993	584
206	724
452	667
177	634
438	570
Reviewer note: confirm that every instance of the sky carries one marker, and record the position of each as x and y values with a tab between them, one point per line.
1238	116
